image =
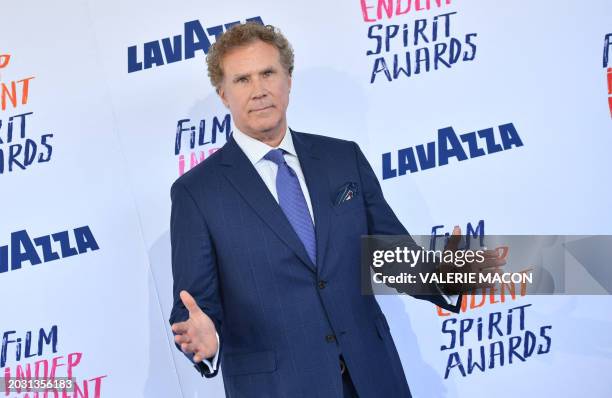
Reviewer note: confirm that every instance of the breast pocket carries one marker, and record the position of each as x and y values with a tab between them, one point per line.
249	363
348	206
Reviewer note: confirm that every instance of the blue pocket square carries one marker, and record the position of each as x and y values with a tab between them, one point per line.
347	192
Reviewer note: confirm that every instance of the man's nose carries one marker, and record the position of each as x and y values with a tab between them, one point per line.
259	88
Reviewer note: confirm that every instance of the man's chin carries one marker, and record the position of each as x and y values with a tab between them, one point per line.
267	129
266	126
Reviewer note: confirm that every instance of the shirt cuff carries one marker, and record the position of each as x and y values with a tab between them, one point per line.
450	300
212	363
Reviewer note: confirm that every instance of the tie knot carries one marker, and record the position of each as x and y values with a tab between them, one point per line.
276	156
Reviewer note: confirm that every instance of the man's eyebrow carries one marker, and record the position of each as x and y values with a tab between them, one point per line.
270	68
240	75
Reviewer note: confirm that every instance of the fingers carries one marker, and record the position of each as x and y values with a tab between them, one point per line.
490	260
200	353
492	254
189	302
180	327
455	239
203	353
489	253
485	265
182	339
189	346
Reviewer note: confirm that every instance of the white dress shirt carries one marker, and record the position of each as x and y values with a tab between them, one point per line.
255	150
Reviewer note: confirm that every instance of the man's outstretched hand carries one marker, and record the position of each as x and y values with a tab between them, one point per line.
197	335
491	264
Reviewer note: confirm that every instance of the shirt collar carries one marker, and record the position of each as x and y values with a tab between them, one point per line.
255	150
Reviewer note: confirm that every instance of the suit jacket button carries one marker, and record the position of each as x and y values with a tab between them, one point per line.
321	284
330	338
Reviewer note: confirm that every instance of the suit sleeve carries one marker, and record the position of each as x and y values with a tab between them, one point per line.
383	221
194	264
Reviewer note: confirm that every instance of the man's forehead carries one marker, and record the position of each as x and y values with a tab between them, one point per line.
251	58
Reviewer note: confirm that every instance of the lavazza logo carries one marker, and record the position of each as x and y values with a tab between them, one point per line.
449	145
177	48
23	249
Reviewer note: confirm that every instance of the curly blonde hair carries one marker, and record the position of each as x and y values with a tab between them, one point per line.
242	35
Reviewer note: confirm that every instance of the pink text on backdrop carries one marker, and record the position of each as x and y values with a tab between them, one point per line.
17	347
207	139
392	8
606	64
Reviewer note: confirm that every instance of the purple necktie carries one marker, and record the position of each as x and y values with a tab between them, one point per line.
291	200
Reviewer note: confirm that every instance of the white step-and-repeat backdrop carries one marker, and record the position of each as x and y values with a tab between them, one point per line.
492	115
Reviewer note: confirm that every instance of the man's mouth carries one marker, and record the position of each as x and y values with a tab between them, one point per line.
262	109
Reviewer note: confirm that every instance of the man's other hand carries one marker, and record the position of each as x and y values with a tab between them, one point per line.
197	335
492	264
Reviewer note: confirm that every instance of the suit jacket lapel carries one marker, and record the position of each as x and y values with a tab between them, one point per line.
312	163
245	179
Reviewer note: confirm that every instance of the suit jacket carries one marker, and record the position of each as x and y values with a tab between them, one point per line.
282	320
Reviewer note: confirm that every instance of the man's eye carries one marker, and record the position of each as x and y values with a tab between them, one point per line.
242	80
268	73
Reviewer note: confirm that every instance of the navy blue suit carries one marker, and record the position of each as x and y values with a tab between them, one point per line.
283	321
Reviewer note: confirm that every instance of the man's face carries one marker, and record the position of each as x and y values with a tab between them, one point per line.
255	88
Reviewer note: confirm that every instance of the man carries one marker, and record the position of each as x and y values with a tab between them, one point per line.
266	245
